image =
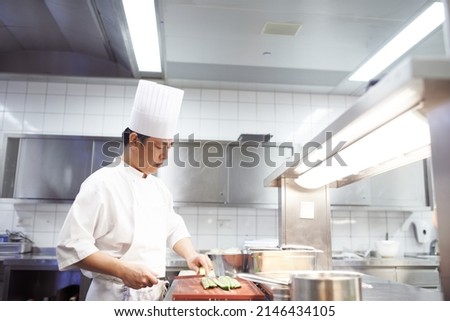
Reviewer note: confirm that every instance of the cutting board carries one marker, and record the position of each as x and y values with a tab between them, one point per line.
190	288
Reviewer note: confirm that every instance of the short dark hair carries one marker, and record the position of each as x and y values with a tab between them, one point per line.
126	136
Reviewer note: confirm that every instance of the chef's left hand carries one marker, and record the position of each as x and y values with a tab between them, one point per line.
198	261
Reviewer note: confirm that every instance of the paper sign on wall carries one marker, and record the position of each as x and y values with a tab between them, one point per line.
307	210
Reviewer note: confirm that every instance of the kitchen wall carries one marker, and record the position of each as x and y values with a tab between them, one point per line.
77	106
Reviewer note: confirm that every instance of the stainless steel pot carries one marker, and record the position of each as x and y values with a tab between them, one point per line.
310	285
326	286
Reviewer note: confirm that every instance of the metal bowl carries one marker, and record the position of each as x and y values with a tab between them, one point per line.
229	264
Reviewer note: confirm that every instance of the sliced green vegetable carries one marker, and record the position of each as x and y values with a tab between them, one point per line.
227	282
235	283
208	283
224	282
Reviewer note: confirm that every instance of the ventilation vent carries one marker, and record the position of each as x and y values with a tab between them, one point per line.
281	28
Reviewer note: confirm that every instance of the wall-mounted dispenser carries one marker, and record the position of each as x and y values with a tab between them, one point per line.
422	231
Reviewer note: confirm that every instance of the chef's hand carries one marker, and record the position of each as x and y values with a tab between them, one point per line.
138	276
133	275
198	261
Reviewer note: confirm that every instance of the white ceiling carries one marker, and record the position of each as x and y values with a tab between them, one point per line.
215	43
221	41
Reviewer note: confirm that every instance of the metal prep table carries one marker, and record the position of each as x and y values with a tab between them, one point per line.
376	289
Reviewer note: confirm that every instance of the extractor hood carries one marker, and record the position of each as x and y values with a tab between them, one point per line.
386	128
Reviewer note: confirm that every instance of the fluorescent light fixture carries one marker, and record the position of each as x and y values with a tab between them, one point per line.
141	19
383	130
397	138
388	127
424	24
372	119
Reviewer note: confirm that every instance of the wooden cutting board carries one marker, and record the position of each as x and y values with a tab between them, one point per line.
190	288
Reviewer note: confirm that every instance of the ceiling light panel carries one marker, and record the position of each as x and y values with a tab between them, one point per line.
141	19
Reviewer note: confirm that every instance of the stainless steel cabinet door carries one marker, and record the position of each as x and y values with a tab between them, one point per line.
106	151
404	186
222	172
52	168
196	172
358	193
249	166
422	277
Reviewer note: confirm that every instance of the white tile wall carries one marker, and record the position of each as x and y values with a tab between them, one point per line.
359	230
86	108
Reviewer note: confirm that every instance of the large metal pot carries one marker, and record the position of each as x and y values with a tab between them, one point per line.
310	285
326	286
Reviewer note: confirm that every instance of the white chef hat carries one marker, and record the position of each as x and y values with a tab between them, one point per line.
155	110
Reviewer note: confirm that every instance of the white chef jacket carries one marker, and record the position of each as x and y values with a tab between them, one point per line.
119	212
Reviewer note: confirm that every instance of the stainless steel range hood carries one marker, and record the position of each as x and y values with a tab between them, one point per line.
417	90
88	38
411	89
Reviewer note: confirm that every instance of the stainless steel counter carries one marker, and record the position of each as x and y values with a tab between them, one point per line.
39	258
376	289
417	261
47	257
420	271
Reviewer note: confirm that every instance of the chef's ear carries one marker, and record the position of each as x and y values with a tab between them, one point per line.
133	138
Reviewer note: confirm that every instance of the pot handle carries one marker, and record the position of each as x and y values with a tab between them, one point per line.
260	279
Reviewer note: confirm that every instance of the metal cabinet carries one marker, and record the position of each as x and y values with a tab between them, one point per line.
104	151
250	165
53	167
406	186
196	172
50	168
421	277
358	193
385	273
221	172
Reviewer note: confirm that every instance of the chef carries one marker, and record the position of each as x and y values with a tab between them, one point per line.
122	220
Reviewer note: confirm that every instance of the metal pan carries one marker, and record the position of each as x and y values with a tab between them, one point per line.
282	260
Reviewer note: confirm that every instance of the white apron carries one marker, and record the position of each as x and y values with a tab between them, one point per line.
107	289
